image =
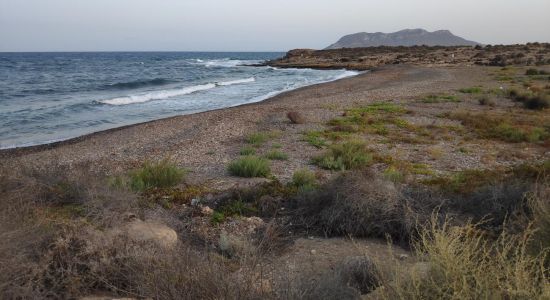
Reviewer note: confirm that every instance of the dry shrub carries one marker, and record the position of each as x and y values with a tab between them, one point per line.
296	117
358	203
48	251
351	278
461	263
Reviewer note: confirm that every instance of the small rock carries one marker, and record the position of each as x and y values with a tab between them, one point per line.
207	211
296	117
150	231
313	252
403	256
195	201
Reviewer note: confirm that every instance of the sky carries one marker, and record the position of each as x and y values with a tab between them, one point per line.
254	25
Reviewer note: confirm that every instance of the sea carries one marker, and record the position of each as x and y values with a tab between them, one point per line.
48	97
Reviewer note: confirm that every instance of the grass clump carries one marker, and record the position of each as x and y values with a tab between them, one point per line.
532	72
345	156
440	99
471	90
276	155
163	174
257	139
250	166
393	174
513	128
315	138
304	179
247	151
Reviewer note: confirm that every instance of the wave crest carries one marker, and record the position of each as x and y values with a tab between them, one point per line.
137	84
164	94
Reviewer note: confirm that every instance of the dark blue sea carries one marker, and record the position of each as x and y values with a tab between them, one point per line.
46	97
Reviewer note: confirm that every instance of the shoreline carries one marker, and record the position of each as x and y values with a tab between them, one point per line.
71	140
206	143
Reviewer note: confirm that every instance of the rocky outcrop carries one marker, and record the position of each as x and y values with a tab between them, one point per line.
372	57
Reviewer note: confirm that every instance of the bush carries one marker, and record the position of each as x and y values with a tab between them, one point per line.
360	204
346	156
248	151
531	100
162	174
296	117
304	179
276	155
462	263
250	166
530	72
485	100
257	139
315	139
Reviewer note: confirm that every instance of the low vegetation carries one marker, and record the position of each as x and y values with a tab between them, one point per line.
531	99
276	155
304	179
161	174
506	127
440	99
345	156
250	166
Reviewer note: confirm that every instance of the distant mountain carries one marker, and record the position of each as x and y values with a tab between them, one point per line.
407	37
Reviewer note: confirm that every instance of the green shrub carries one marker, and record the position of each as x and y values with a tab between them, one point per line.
533	72
471	90
162	174
315	139
440	99
248	151
276	155
257	138
345	156
304	179
393	174
250	166
217	218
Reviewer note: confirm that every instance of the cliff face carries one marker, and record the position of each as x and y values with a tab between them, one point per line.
407	37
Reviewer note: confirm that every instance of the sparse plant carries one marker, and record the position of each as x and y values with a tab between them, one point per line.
276	155
315	139
250	166
162	174
257	139
248	151
471	90
304	179
486	100
345	156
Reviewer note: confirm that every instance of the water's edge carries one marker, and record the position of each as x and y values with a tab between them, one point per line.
57	143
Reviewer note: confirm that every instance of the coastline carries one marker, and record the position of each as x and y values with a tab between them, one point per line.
206	142
76	139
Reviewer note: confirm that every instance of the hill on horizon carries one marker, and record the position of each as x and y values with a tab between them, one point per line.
406	37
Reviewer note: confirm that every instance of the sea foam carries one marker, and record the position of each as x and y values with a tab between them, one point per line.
165	94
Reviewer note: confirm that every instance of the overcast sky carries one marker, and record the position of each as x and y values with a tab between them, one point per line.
254	25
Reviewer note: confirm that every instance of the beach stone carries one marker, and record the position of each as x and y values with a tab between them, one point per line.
160	234
296	117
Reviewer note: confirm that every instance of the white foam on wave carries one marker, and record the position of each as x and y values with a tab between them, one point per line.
346	74
164	94
238	81
157	95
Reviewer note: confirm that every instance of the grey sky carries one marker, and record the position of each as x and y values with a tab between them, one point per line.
256	25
